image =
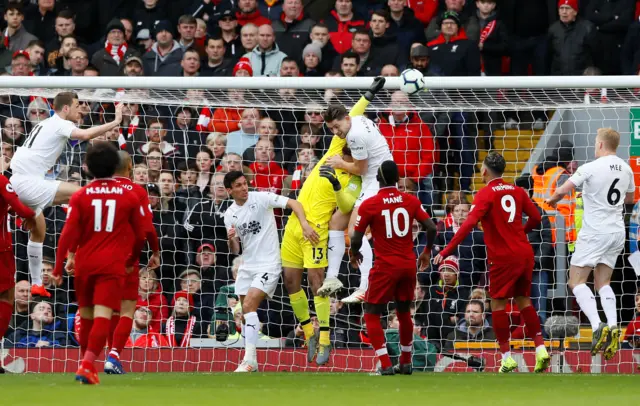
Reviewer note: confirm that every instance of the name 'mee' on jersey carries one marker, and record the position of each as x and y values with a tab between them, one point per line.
255	225
366	142
604	182
43	147
390	214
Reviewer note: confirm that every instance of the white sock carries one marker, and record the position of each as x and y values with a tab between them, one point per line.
506	355
34	252
540	348
608	300
251	326
335	249
367	263
587	302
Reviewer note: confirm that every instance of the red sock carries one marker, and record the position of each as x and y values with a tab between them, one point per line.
97	340
112	328
501	328
532	325
406	336
6	311
85	329
376	335
121	334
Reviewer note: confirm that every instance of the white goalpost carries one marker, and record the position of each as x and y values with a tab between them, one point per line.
182	131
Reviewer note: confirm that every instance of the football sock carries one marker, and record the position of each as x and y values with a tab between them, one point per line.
367	263
85	329
532	323
608	301
406	336
501	328
335	252
121	335
376	336
115	319
6	311
300	305
587	302
97	340
34	252
323	309
251	326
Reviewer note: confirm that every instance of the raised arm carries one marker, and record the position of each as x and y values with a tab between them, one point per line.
93	132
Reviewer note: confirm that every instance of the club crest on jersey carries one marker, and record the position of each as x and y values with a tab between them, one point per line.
253	207
9	188
252	227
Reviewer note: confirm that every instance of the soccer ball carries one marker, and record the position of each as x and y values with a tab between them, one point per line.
412	81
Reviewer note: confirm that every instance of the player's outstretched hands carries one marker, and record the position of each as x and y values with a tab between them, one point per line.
355	259
437	260
376	86
310	234
329	173
335	162
232	233
119	108
423	260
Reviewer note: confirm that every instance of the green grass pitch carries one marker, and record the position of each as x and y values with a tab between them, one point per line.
306	389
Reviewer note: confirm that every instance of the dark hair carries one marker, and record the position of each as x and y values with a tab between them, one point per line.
495	162
68	36
36	42
304	145
190	50
361	31
477	302
526	182
155	120
66	14
382	13
319	25
64	99
334	112
216	38
231	177
185	166
93	68
102	159
289	59
350	55
207	151
187	19
346	151
388	174
14	5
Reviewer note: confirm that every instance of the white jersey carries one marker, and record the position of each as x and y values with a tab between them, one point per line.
366	142
605	182
255	225
43	147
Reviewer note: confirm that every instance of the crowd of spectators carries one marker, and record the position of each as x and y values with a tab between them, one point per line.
182	153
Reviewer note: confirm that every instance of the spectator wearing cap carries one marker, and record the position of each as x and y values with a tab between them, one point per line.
214	277
291	28
40	18
133	66
342	23
471	253
64	26
494	41
165	56
404	24
248	13
383	42
148	14
243	68
266	58
611	19
419	59
474	327
452	51
466	24
21	64
446	301
319	35
144	40
228	27
182	326
312	60
190	63
110	59
15	37
216	63
571	40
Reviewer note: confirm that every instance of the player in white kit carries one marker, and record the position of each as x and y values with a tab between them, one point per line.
607	184
250	221
32	161
369	150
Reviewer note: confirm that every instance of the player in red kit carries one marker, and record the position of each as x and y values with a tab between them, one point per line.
122	322
9	201
390	214
499	206
103	235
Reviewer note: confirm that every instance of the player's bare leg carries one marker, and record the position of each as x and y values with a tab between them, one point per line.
602	280
97	338
502	329
335	252
578	276
250	304
119	336
403	312
365	266
534	332
372	314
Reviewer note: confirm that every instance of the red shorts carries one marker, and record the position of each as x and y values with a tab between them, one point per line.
7	271
131	282
388	285
508	280
99	289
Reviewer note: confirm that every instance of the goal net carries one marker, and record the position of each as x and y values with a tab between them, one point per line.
183	135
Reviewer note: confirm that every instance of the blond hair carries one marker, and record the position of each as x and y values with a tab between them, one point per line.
610	138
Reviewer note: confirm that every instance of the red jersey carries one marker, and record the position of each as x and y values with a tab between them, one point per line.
105	228
390	214
9	201
143	200
499	206
268	178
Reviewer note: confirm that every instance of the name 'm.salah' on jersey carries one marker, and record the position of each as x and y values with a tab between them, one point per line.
390	214
105	228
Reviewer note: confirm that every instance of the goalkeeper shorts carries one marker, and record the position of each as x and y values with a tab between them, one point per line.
297	252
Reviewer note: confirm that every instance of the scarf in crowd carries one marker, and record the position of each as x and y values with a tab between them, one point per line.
296	180
484	34
6	39
133	126
186	336
117	53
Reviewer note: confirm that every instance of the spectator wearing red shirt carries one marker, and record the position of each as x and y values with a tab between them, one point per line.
411	143
424	10
342	23
142	334
248	13
268	175
467	24
150	295
632	334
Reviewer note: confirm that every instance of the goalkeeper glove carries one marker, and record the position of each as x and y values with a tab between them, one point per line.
329	173
376	86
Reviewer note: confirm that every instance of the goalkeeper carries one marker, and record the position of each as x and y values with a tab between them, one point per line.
319	199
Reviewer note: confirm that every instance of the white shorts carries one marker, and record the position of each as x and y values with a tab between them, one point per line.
592	250
265	279
369	188
34	191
